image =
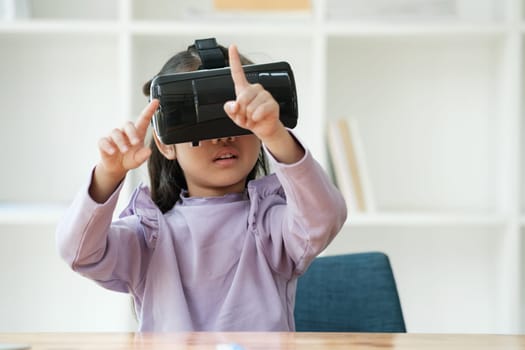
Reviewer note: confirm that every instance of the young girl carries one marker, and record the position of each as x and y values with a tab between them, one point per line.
208	247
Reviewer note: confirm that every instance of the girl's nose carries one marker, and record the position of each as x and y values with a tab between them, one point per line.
224	139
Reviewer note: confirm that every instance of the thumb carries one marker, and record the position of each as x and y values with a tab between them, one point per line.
142	155
231	108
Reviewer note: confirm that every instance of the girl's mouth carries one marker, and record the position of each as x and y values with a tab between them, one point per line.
225	159
226	156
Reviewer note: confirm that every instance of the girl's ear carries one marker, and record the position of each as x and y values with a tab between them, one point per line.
167	151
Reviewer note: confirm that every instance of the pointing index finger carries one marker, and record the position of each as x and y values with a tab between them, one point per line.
238	76
144	119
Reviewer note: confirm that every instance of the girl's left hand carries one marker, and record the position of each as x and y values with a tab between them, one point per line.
255	108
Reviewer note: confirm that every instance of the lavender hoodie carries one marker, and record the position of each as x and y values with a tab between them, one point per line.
226	263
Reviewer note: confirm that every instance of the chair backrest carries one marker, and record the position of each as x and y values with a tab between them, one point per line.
349	293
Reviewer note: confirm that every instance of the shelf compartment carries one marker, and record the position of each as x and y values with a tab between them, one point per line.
413	10
427	108
73	9
448	278
34	277
59	97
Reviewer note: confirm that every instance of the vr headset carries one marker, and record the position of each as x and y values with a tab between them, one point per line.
191	103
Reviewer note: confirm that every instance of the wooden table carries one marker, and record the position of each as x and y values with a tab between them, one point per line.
266	341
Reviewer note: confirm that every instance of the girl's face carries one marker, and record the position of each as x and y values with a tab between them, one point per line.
220	166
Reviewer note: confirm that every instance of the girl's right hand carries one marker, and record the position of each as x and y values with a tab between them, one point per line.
123	149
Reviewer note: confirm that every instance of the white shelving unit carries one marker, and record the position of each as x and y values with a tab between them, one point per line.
439	104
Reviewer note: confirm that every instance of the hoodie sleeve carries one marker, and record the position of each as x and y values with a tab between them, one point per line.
297	221
113	253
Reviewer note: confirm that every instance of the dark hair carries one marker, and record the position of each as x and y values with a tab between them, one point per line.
166	176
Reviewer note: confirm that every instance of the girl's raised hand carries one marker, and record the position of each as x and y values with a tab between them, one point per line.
123	149
255	108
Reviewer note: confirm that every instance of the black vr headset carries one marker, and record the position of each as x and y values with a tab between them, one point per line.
191	103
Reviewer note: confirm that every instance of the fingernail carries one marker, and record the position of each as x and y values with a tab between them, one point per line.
230	107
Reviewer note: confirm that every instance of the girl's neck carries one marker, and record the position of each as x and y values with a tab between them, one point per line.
195	191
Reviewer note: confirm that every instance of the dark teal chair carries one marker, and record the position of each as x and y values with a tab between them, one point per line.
349	293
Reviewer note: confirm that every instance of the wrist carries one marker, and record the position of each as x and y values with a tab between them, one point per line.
104	183
280	133
109	175
284	147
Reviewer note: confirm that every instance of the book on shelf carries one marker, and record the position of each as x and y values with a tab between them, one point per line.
349	165
252	10
261	5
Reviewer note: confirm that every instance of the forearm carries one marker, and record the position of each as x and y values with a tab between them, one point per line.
103	184
284	147
316	210
84	227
